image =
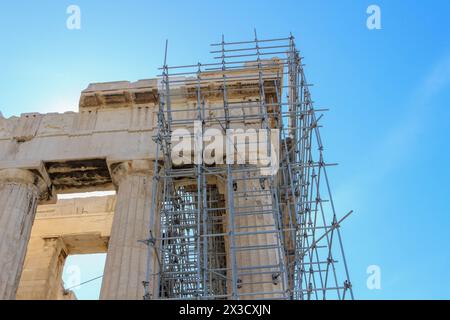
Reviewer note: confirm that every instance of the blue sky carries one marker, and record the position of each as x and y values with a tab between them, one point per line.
388	91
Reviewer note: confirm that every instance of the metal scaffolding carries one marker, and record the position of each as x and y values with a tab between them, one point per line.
228	230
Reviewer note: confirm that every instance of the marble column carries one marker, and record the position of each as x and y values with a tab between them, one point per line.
256	246
20	191
126	262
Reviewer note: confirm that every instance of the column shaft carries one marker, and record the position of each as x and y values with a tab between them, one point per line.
257	249
126	262
18	202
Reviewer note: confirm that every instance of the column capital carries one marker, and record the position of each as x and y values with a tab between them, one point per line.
119	170
30	178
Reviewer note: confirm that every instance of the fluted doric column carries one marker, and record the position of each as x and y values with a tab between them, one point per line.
20	191
126	262
256	247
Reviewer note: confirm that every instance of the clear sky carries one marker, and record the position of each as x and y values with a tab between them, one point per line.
388	91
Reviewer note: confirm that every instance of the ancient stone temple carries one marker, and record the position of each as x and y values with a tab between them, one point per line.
191	218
